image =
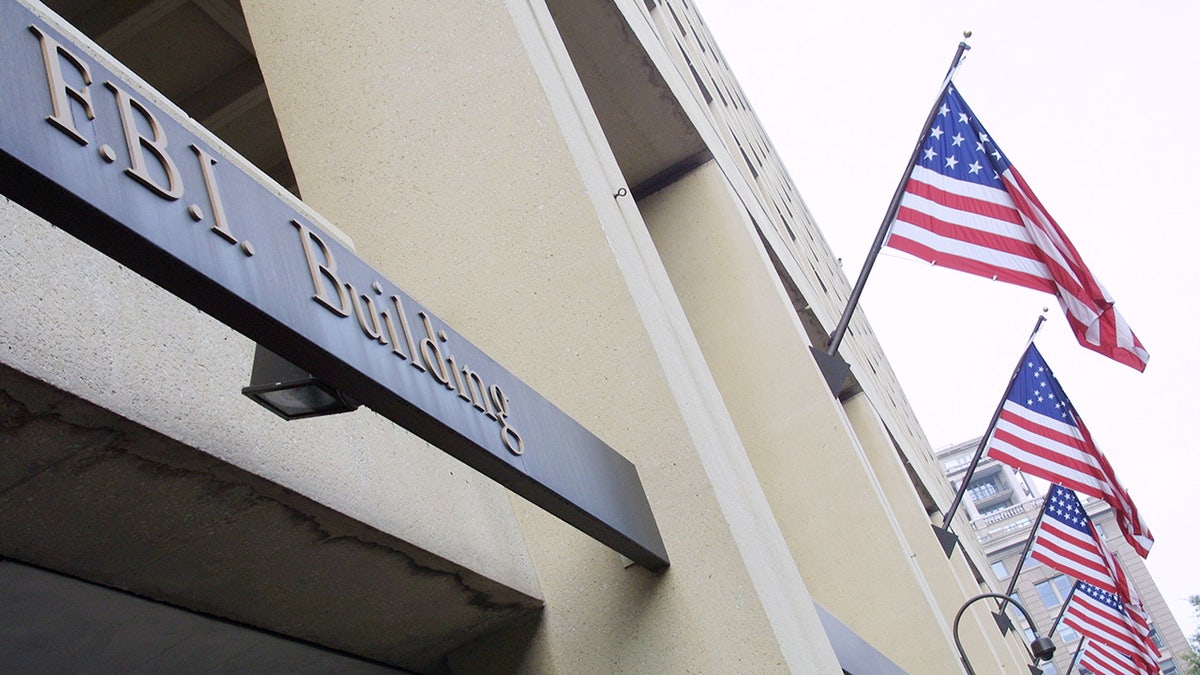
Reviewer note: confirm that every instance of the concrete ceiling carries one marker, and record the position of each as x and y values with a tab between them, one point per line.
199	54
95	496
651	137
222	87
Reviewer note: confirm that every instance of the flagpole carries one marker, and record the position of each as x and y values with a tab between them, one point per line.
947	538
1075	656
832	367
1063	611
1001	618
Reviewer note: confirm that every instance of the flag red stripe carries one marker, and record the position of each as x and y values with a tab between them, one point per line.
1006	218
1079	567
1088	480
1061	463
960	202
969	265
1066	455
1104	659
1079	562
1105	624
1028	205
967	233
1074	460
1099	625
1057	431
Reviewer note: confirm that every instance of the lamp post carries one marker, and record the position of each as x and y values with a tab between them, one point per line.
1042	648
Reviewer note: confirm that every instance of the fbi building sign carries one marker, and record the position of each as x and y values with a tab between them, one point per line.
102	158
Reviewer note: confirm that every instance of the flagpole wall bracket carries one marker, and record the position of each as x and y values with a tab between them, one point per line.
946	538
833	368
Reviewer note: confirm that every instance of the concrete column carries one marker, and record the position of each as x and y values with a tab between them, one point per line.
832	510
423	131
977	630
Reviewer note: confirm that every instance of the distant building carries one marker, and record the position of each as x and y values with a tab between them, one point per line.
1003	505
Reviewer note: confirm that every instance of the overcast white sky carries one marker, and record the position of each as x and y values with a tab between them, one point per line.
1096	104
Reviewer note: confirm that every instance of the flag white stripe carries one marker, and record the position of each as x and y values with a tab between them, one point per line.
1043	441
963	249
1098	620
1101	658
1042	233
1084	482
1048	446
1038	220
1100	626
964	188
1051	465
1053	424
1100	482
1011	211
1081	557
966	219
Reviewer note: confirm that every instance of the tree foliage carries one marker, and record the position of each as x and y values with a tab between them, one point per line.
1192	658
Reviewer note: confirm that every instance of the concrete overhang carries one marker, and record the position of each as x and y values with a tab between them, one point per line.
93	495
651	137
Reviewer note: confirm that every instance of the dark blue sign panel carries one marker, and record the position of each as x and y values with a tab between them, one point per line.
83	148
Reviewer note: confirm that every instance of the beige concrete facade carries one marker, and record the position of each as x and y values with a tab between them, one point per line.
739	314
582	191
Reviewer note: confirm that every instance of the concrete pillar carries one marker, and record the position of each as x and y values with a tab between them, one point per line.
977	630
831	508
424	132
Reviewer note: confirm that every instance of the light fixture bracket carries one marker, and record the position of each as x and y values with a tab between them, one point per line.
291	392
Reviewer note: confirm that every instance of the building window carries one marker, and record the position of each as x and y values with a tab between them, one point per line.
1054	591
1000	570
997	507
982	488
1019	524
1064	584
1157	640
1017	597
955	463
1168	667
1048	668
1067	633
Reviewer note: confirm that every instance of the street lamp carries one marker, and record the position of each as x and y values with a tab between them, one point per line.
1042	648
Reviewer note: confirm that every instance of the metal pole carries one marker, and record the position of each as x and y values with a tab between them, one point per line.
944	534
1075	656
1001	618
1041	648
1063	611
835	338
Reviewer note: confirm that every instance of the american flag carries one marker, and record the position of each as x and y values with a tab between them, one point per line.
1039	432
1067	541
1101	616
965	207
1104	660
